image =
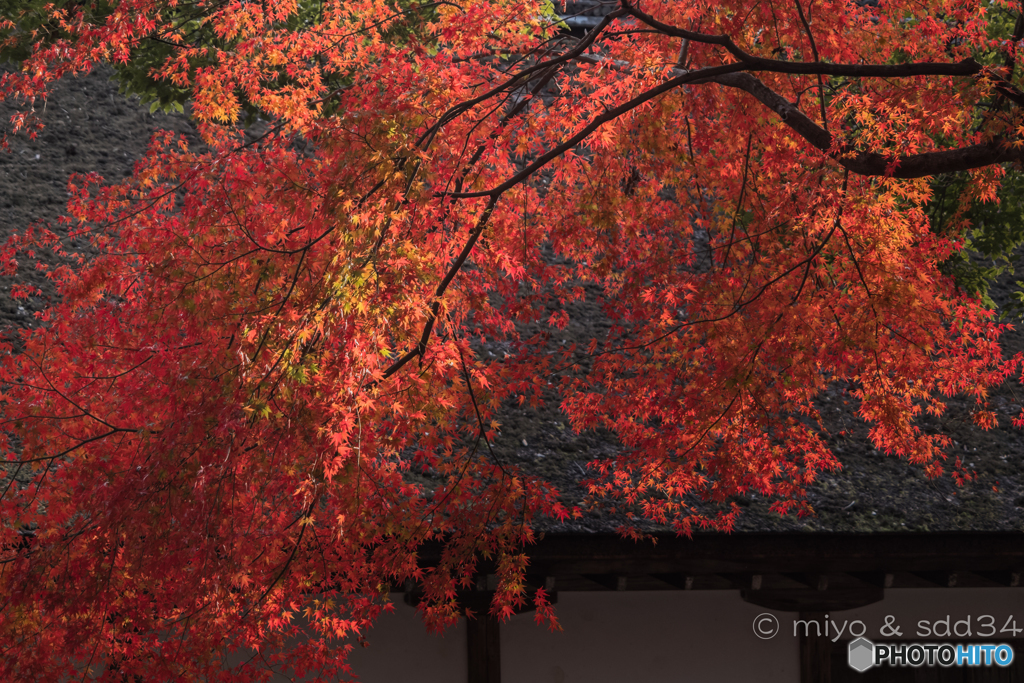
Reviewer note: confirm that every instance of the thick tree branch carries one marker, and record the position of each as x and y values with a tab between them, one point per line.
869	163
679	78
738	76
966	67
516	80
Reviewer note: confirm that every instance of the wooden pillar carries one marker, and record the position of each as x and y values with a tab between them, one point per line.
483	641
815	652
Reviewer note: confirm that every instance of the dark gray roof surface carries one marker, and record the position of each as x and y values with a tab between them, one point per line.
91	128
584	13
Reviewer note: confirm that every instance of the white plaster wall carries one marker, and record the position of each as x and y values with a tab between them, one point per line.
401	649
639	637
648	637
657	637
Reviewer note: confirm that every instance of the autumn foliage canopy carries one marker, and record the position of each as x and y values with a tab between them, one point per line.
214	442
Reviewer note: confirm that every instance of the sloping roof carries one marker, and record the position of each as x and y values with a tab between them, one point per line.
91	128
584	13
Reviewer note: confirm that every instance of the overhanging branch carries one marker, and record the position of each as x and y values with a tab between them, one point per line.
861	163
869	163
966	67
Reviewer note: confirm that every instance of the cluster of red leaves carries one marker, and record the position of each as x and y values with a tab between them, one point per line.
221	417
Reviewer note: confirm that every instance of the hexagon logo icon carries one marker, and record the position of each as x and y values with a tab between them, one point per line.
861	655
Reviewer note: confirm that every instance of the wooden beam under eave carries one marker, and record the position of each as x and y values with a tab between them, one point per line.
611	582
1010	579
708	554
941	579
678	580
815	581
746	581
877	579
812	599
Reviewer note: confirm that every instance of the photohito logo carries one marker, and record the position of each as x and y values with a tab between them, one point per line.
863	654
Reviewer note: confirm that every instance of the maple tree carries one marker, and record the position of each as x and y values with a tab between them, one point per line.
210	443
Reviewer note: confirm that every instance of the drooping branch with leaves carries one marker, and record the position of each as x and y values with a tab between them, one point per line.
212	443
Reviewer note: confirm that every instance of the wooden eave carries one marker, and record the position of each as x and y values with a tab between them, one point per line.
786	571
